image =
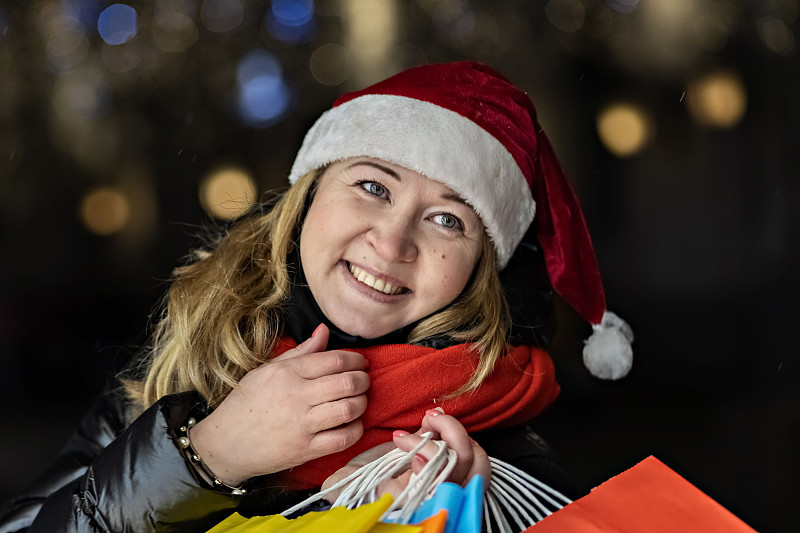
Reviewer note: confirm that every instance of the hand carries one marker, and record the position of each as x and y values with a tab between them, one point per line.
299	406
472	459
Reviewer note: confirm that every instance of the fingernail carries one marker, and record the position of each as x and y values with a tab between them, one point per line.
399	433
421	458
434	412
319	328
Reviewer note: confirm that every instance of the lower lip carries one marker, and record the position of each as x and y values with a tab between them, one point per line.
368	291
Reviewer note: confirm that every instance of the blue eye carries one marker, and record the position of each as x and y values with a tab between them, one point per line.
373	188
448	221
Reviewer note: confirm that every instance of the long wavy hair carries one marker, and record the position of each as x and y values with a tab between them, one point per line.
224	309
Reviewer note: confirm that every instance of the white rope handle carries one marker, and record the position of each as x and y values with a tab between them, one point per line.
365	480
518	493
511	492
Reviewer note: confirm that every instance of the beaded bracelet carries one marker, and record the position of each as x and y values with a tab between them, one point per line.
188	449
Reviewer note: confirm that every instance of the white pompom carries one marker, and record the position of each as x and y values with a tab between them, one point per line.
608	353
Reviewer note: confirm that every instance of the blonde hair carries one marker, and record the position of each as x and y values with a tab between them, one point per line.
224	311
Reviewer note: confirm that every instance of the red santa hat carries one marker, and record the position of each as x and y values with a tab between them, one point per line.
464	125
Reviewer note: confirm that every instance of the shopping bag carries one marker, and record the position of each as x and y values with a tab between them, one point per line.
363	519
512	496
464	506
428	504
648	497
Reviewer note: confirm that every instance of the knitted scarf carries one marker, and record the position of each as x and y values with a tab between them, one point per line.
407	380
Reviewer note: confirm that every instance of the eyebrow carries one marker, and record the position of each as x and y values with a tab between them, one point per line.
380	167
392	173
456	198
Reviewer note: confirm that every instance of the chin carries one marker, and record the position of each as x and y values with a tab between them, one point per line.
366	331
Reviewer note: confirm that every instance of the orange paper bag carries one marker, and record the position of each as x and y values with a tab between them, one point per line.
649	497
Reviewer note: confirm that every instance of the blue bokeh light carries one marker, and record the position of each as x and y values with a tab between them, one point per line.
293	12
84	11
263	97
117	24
623	6
291	21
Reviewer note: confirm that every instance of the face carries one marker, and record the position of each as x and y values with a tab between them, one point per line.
383	246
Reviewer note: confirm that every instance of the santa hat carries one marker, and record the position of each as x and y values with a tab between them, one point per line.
464	125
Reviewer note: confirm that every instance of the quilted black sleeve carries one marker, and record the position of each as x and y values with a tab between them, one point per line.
114	478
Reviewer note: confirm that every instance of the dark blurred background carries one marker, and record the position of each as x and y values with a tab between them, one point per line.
127	129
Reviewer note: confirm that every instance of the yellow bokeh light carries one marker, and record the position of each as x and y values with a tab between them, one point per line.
105	211
370	29
624	128
227	193
718	99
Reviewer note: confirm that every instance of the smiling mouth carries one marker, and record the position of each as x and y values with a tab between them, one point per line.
376	283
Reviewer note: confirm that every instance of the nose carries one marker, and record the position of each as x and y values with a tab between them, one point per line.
393	239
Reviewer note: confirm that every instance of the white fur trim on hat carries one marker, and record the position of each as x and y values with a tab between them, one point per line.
435	142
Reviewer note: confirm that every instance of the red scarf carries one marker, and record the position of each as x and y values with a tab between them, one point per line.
407	380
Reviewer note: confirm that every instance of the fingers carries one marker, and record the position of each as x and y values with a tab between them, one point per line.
310	359
471	458
329	415
317	342
315	365
336	439
336	386
480	464
354	464
455	436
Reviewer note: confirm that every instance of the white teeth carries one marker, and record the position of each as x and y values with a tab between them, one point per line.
370	281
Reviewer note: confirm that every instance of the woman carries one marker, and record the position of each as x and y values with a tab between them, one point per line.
367	297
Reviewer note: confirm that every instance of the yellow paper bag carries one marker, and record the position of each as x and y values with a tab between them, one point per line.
363	519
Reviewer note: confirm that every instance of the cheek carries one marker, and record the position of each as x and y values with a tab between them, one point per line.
452	269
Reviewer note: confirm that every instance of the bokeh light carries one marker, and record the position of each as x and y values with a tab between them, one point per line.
370	35
117	24
3	23
105	211
174	29
227	193
331	64
454	17
83	11
120	59
711	32
624	128
262	97
222	16
718	99
776	35
623	6
291	21
82	93
566	15
67	44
